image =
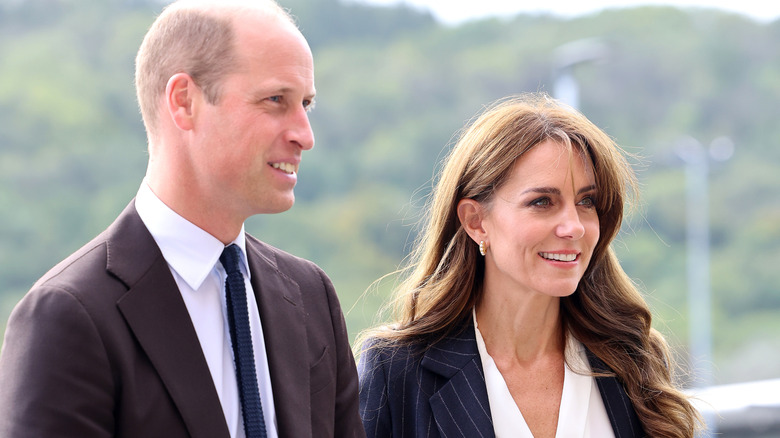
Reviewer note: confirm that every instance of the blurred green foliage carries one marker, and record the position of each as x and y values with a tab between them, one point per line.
394	87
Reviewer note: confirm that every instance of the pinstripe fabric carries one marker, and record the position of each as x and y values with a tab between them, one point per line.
621	412
439	391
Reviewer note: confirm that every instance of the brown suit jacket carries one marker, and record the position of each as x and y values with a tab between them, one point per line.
103	346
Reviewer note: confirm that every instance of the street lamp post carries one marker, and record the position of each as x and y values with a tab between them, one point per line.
697	163
566	57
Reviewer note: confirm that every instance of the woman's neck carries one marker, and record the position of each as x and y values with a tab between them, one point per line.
523	328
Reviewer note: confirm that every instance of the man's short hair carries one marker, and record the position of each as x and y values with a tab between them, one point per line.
189	39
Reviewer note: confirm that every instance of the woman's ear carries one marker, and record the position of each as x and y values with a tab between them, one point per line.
181	94
471	214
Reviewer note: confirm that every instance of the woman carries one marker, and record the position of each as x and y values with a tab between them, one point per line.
515	318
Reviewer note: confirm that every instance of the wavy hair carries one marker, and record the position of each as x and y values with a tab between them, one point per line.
443	279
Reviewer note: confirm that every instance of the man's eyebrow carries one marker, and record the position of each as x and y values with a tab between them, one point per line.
280	89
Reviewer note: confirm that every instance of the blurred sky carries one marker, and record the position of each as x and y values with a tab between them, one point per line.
456	11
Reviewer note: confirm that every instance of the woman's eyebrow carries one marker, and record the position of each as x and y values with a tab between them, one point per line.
544	190
556	191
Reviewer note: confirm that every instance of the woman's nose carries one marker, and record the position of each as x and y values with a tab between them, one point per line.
570	225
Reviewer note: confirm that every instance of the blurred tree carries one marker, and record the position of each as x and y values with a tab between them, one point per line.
329	22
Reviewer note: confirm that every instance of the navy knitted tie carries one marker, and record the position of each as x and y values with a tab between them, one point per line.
241	337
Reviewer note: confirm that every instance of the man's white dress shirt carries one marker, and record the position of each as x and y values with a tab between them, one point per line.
193	258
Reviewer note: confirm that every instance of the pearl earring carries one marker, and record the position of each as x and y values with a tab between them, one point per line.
482	247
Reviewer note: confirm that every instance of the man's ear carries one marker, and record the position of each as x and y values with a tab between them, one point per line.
471	214
181	96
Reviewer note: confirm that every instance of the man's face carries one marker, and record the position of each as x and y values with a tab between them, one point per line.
246	149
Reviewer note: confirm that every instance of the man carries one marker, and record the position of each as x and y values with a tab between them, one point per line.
131	335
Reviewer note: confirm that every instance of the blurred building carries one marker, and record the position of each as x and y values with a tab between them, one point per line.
742	410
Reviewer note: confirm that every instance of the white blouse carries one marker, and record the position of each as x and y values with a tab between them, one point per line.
582	413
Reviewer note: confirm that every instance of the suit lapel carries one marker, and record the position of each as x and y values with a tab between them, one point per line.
622	416
283	319
156	314
460	406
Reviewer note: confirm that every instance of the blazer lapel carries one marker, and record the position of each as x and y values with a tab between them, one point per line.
283	319
622	416
155	312
460	407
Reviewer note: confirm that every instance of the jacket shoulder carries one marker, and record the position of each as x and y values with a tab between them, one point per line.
83	270
283	261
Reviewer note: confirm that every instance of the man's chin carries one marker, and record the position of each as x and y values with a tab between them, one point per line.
280	206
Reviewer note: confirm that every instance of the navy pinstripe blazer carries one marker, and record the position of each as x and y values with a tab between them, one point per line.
440	391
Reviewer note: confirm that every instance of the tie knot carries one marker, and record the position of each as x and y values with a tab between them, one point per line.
229	258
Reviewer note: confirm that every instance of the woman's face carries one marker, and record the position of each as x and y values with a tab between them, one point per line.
542	226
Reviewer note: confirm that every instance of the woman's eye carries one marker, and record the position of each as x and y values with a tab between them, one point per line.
587	202
541	202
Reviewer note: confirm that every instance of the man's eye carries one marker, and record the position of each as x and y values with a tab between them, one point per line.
275	98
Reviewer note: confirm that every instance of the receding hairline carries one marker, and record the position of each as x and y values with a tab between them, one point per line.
155	60
232	8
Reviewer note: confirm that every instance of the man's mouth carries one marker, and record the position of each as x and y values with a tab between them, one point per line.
287	168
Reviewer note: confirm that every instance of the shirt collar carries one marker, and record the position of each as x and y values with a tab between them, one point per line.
189	250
